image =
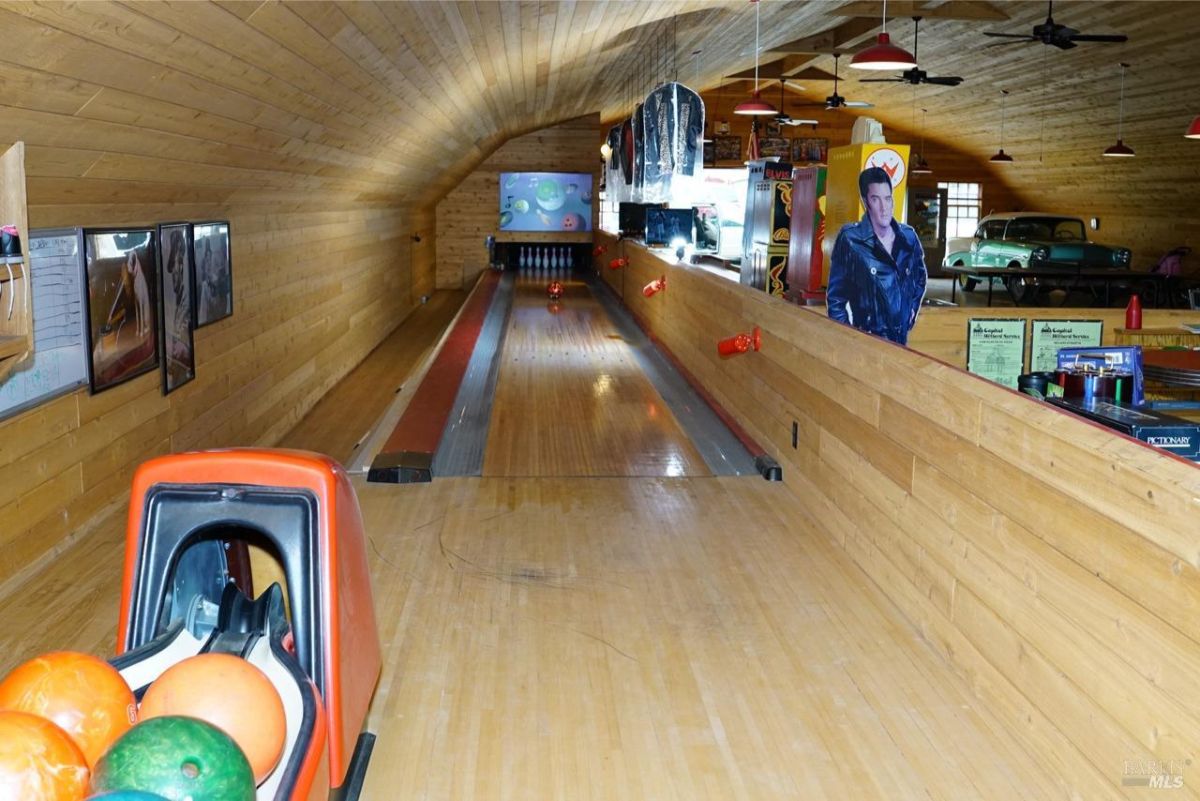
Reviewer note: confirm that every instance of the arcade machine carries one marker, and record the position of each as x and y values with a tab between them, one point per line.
769	216
805	256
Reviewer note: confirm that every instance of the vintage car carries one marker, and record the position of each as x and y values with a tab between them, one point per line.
1031	240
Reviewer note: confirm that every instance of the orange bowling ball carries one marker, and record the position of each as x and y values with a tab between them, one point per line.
39	761
231	694
84	695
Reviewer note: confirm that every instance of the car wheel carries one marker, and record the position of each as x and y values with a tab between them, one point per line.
1020	287
965	281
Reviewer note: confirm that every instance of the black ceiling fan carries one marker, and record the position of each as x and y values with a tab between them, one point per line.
783	118
916	75
835	100
1051	33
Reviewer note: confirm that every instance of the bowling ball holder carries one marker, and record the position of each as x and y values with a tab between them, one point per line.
191	517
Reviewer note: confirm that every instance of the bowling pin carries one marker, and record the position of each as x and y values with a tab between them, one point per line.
570	258
523	260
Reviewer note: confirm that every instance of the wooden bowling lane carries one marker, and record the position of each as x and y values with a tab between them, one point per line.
666	639
571	399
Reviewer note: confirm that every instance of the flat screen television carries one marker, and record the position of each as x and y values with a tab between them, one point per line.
668	227
545	201
631	219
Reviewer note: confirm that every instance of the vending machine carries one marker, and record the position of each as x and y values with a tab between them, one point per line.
843	204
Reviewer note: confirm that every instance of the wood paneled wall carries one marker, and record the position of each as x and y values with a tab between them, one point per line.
468	213
314	292
1052	563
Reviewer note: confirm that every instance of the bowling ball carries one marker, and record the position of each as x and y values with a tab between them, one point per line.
177	758
573	222
81	693
126	795
39	761
231	694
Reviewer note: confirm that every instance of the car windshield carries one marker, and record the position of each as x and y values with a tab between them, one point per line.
1046	229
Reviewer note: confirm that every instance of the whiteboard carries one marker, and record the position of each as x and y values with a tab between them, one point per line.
58	364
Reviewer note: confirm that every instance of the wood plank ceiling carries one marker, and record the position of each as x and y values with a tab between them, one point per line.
389	103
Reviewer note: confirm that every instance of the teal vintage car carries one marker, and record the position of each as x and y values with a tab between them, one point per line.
1031	240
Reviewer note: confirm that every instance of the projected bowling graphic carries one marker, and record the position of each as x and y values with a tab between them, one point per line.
243	698
545	201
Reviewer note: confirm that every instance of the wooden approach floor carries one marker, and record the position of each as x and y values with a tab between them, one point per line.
616	638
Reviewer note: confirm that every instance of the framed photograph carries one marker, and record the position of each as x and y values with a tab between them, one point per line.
774	146
120	280
774	128
214	272
177	311
810	149
728	148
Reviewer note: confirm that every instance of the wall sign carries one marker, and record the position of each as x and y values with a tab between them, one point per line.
1050	335
996	349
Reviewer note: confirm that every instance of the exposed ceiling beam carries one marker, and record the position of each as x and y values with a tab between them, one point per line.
954	9
787	67
848	34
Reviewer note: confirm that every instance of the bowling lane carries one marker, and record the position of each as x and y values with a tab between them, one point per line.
571	399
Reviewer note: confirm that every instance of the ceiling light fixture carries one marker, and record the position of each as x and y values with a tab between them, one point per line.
919	165
1120	149
755	106
1193	131
1001	157
883	55
606	151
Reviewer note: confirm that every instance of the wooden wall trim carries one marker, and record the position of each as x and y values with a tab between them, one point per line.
1053	563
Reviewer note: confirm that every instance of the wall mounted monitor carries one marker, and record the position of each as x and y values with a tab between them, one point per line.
545	201
668	227
631	219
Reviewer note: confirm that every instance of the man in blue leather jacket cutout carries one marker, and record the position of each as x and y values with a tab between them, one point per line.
877	271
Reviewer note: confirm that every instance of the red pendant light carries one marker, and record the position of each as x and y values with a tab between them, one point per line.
1001	157
1193	131
883	55
755	106
1120	149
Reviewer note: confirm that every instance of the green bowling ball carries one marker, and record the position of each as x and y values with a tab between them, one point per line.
178	758
126	795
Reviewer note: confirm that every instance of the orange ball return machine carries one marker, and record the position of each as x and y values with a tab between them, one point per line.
194	519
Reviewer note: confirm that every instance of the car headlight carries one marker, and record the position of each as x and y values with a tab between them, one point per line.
1122	256
1039	254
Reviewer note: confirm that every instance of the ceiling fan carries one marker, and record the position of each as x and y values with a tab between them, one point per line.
916	75
783	118
1051	33
835	101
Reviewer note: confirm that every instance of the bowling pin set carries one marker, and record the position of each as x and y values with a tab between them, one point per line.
240	699
545	259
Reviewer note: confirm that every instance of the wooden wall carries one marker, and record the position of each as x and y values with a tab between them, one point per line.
314	292
1052	563
468	213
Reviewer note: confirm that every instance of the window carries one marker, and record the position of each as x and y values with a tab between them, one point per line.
963	203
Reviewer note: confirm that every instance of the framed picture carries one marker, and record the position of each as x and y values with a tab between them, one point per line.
774	146
728	148
177	311
214	272
120	279
774	128
810	149
710	154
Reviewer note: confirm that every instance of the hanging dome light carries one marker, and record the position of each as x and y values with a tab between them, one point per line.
1193	131
883	55
755	106
1001	157
1120	149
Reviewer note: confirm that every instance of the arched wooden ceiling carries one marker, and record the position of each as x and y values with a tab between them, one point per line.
390	103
